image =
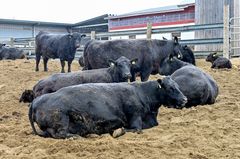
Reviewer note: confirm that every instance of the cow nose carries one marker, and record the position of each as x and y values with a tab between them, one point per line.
184	101
127	75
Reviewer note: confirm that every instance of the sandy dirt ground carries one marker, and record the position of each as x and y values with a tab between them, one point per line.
202	132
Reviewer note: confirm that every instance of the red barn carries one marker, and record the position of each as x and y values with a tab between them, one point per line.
176	15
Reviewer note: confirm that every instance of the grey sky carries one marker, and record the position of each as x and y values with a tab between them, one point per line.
72	11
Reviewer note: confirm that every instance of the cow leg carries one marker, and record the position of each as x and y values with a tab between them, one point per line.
69	66
38	57
145	74
63	65
133	76
135	124
45	60
60	126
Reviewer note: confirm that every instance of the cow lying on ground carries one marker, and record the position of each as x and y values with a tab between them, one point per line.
10	53
187	55
199	87
218	62
98	108
149	53
57	46
119	71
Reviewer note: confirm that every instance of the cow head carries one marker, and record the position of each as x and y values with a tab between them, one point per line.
212	57
122	68
77	37
170	65
177	48
170	94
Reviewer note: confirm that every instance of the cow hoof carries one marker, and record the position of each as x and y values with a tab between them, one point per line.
36	70
118	132
92	136
73	137
62	71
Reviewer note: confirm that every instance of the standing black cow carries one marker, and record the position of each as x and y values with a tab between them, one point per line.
11	53
199	87
218	62
149	53
119	71
57	46
99	108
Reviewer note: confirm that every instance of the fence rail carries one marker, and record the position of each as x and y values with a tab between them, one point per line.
28	44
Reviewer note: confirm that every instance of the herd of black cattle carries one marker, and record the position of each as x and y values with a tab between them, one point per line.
99	99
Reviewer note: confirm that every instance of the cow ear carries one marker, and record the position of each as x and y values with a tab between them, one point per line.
159	83
185	47
175	40
111	63
179	55
83	35
70	36
134	61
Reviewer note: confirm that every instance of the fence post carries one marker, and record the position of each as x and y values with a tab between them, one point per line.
93	35
226	30
11	42
149	30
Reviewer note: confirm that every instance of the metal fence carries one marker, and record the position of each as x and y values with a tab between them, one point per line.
234	27
28	44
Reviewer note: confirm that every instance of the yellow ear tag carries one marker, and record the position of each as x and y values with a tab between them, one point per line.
133	62
112	64
214	55
179	56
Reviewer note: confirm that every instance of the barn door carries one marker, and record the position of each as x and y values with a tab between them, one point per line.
234	27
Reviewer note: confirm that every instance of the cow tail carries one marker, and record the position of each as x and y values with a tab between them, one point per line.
30	116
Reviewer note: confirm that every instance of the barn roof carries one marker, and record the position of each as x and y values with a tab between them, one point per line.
28	22
164	9
96	20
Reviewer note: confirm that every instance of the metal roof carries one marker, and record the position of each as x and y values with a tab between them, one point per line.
93	21
27	22
164	9
96	20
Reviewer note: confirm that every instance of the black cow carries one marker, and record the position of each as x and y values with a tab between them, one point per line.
187	55
119	71
10	53
1	45
218	62
199	87
149	53
57	46
99	108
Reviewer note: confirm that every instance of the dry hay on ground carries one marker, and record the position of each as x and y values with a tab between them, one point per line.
210	131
